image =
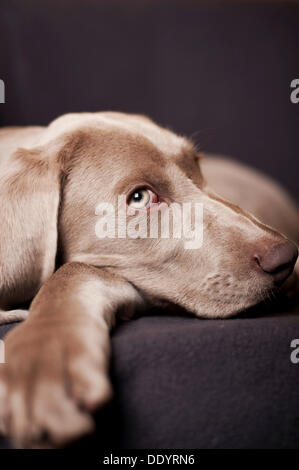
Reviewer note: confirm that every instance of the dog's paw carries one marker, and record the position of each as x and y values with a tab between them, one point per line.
53	378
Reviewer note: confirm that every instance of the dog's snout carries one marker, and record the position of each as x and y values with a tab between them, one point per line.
278	260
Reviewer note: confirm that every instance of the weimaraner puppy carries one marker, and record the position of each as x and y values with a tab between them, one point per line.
52	180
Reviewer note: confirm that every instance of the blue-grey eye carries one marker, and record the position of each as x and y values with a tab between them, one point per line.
142	198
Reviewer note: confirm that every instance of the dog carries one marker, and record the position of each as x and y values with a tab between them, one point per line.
52	179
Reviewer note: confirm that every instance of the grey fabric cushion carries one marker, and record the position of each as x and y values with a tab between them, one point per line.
193	383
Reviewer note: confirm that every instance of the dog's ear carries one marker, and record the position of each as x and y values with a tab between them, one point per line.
199	156
30	193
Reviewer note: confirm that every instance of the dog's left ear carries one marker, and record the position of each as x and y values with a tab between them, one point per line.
29	194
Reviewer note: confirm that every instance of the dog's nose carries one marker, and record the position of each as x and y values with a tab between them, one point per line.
278	260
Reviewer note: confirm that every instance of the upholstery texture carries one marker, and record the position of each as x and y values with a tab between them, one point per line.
191	383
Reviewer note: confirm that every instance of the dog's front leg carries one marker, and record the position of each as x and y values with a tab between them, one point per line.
56	369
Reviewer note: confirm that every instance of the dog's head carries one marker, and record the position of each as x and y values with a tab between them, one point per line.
117	177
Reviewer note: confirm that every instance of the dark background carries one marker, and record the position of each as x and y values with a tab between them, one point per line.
218	71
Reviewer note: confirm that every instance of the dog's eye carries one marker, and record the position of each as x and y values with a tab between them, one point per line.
142	199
